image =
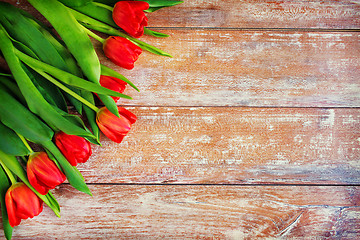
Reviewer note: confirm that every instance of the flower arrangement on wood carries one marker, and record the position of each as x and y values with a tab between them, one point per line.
52	72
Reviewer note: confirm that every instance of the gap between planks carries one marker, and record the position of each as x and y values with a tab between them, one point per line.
227	184
257	29
181	212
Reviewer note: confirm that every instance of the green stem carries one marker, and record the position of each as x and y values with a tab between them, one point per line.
95	36
72	173
8	172
103	6
67	77
6	75
115	32
67	90
25	142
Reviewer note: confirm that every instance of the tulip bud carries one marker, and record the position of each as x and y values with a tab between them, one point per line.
114	84
42	172
130	16
75	149
115	127
121	51
21	203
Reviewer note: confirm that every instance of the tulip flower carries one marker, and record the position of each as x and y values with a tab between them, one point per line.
114	84
21	203
42	172
115	127
75	149
130	16
121	51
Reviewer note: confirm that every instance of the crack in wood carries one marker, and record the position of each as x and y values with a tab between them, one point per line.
291	225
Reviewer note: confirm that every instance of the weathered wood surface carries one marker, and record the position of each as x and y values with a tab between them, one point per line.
333	14
258	93
328	14
249	68
200	212
232	145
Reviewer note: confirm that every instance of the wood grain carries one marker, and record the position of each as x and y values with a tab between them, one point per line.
251	131
328	14
333	14
200	212
232	145
248	68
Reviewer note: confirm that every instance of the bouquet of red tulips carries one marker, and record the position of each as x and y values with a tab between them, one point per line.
50	71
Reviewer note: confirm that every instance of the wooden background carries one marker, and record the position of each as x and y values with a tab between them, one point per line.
251	131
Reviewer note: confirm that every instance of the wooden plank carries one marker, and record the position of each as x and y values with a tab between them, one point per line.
248	68
199	212
328	14
232	145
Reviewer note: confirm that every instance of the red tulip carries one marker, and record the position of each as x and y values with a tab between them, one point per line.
130	16
21	203
114	127
75	149
121	51
42	172
114	84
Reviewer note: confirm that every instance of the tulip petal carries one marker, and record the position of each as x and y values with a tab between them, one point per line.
129	115
34	182
121	51
22	203
130	16
10	207
75	149
114	84
114	127
42	172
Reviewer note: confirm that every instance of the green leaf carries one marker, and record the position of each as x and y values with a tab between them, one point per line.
75	3
12	163
74	36
43	45
97	12
162	3
13	89
71	65
152	9
57	43
13	115
152	3
34	129
36	103
68	78
68	59
96	25
48	90
4	186
10	142
110	72
91	116
73	175
23	30
77	121
155	34
5	75
52	200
